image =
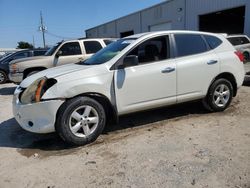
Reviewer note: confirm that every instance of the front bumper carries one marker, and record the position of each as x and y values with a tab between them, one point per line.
36	117
16	77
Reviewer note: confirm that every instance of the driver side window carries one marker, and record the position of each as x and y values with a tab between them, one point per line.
152	50
71	48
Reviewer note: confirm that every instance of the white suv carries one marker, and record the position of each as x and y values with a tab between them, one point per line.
136	73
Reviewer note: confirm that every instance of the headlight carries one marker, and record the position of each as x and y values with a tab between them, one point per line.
35	91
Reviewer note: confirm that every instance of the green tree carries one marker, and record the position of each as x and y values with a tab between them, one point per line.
24	45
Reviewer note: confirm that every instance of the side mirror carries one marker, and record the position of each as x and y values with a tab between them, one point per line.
59	53
128	61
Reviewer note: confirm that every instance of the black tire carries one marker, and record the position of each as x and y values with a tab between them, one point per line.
246	56
3	77
224	100
65	120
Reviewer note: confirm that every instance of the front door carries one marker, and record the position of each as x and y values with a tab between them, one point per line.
151	83
69	53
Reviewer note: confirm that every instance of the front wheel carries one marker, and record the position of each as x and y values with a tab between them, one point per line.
3	77
219	95
80	120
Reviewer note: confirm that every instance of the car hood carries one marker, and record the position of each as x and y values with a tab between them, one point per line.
67	71
29	59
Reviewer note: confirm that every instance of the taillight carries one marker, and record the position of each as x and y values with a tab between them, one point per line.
240	56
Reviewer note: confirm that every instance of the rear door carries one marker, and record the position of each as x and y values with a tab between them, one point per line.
197	65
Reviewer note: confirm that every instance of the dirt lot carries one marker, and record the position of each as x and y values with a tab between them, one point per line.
181	146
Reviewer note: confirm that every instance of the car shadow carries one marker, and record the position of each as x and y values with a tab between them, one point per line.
156	115
7	91
246	82
13	136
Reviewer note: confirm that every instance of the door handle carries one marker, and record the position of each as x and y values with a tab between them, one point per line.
80	58
168	70
211	62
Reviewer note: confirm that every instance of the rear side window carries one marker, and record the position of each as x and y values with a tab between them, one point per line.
189	44
71	48
92	47
212	41
238	40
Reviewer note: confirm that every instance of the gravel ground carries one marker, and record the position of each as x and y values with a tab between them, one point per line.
181	146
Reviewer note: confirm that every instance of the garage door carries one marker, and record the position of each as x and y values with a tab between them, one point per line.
161	27
229	21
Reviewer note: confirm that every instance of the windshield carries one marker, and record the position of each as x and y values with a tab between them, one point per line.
52	49
109	52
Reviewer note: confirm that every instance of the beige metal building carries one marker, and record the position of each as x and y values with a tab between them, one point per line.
221	16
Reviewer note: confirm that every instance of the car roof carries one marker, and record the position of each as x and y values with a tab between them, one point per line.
170	32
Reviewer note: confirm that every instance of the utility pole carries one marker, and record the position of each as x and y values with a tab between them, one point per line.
33	42
42	28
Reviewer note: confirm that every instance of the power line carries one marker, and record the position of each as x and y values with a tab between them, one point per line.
58	36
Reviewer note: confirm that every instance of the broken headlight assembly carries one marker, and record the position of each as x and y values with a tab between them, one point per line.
35	91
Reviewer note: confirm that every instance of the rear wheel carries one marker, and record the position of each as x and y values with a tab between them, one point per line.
3	77
219	95
80	120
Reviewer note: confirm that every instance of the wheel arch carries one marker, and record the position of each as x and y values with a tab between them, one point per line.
230	77
31	69
3	70
110	110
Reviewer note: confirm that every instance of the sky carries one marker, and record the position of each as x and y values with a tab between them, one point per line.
64	19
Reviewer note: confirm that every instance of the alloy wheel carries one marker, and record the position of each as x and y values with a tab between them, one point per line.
221	95
83	121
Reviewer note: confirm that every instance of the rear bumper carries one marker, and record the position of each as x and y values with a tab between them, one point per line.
16	77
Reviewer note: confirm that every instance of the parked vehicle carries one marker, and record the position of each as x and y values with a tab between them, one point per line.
5	60
242	44
62	53
136	73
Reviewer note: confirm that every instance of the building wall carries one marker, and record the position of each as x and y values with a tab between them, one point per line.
182	14
194	8
171	11
130	22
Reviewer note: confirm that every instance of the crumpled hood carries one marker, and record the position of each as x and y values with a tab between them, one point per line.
56	72
29	59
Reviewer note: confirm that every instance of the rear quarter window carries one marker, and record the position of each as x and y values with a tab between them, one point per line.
189	44
212	41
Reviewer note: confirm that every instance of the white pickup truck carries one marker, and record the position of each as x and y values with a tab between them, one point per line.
64	52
